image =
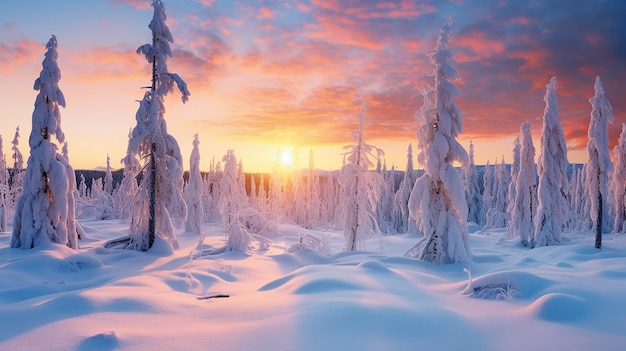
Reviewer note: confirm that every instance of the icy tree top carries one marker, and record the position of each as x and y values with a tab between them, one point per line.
46	116
439	118
361	153
158	52
598	135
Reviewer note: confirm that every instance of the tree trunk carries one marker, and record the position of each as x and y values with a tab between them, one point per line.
599	222
153	191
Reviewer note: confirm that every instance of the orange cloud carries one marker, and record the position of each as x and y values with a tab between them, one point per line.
19	52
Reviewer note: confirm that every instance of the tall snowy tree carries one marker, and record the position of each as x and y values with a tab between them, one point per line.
231	199
524	204
402	197
553	207
497	216
16	176
617	182
45	212
437	201
599	160
4	188
517	149
159	200
488	191
360	190
108	178
193	191
18	159
472	189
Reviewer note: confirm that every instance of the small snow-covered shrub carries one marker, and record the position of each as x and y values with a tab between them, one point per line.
310	243
499	290
255	222
238	238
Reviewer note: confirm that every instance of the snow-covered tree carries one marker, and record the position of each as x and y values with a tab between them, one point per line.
108	178
488	190
517	149
18	159
313	204
231	199
360	190
437	201
193	191
617	182
552	190
599	161
524	204
45	212
159	200
402	197
16	174
497	216
4	188
472	189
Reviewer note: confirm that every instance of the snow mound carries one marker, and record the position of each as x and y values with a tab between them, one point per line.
506	285
559	307
100	342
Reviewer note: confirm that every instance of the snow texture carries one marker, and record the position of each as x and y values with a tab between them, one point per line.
567	297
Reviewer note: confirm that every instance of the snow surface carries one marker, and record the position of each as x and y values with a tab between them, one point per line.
564	297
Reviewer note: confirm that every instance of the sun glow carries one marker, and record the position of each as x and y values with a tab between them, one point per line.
286	156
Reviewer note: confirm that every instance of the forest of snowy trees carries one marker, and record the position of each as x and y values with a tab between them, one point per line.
535	202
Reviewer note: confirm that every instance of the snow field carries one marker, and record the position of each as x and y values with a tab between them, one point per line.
567	296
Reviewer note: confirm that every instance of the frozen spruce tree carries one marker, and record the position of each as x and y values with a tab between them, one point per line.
159	204
488	191
193	191
553	208
18	159
472	189
361	189
524	204
513	180
108	178
45	213
437	201
4	188
232	199
617	182
599	161
402	196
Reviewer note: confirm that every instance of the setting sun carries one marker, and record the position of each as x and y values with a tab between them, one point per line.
286	156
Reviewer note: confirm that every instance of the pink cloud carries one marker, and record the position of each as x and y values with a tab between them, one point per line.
138	4
266	13
19	52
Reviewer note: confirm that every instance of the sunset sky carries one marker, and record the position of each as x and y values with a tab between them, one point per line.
271	75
